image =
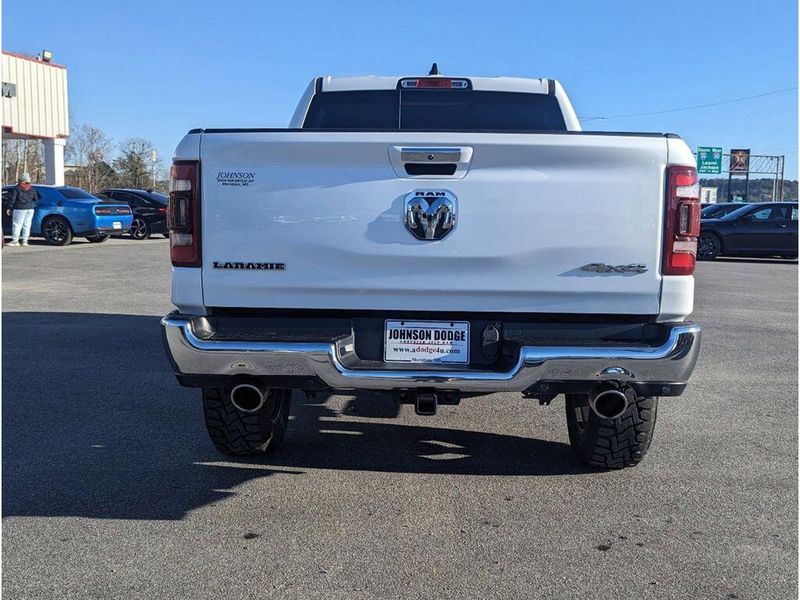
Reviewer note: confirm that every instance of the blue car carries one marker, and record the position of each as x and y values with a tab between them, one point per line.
64	212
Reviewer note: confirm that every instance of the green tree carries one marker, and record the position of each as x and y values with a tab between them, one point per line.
135	167
758	190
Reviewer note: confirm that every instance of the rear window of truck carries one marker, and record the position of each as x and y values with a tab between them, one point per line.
434	110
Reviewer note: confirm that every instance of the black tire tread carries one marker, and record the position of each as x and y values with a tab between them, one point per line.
615	443
245	434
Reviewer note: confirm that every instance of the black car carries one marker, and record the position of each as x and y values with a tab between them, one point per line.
149	210
715	211
757	229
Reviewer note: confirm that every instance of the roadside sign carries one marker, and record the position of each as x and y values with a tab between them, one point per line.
740	161
709	160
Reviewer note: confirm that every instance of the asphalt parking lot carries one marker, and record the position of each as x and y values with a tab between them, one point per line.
111	488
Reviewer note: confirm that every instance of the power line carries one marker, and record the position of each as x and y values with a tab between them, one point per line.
696	106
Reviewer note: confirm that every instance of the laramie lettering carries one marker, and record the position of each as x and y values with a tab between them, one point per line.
250	266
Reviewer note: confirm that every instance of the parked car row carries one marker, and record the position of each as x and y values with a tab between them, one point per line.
149	210
65	212
753	229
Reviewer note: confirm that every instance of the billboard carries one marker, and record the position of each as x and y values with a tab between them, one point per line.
740	160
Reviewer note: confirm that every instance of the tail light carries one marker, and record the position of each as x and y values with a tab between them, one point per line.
183	213
682	221
112	210
163	210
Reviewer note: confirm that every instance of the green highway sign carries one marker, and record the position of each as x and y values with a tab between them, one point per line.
709	160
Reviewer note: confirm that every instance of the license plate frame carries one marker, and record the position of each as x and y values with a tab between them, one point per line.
116	225
449	347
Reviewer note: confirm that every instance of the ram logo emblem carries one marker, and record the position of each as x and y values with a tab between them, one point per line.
430	214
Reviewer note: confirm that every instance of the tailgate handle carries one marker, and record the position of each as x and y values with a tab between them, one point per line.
430	162
430	155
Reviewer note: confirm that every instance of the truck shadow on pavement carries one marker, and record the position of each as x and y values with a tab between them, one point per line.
94	425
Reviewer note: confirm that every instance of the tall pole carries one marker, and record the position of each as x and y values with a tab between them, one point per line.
730	175
775	179
780	189
153	159
747	185
777	195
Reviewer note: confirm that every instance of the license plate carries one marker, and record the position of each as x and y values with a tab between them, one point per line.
117	224
426	342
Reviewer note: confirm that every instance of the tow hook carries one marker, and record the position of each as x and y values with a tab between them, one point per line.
426	403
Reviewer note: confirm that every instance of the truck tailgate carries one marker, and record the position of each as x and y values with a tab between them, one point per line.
303	219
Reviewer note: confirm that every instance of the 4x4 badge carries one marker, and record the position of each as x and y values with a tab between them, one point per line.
604	268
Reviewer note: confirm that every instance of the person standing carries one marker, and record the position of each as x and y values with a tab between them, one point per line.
21	201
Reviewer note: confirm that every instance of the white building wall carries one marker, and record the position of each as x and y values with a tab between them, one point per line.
40	107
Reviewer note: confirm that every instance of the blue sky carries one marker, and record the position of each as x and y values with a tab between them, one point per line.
156	69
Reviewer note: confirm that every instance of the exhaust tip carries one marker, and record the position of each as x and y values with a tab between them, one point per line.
247	398
609	404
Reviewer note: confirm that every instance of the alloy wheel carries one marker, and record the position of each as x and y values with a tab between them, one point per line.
707	246
56	231
138	229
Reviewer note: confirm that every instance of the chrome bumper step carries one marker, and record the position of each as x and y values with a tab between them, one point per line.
671	362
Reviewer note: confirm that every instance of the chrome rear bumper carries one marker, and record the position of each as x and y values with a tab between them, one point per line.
670	363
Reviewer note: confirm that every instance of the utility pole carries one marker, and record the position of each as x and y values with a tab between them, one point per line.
153	159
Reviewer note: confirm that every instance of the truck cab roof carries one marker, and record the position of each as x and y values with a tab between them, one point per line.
491	84
490	89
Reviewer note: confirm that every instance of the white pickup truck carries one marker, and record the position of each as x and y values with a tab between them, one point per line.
434	237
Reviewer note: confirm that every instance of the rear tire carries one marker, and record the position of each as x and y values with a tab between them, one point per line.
57	231
709	246
611	443
246	434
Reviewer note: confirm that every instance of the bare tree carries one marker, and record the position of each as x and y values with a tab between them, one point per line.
89	149
89	160
23	156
